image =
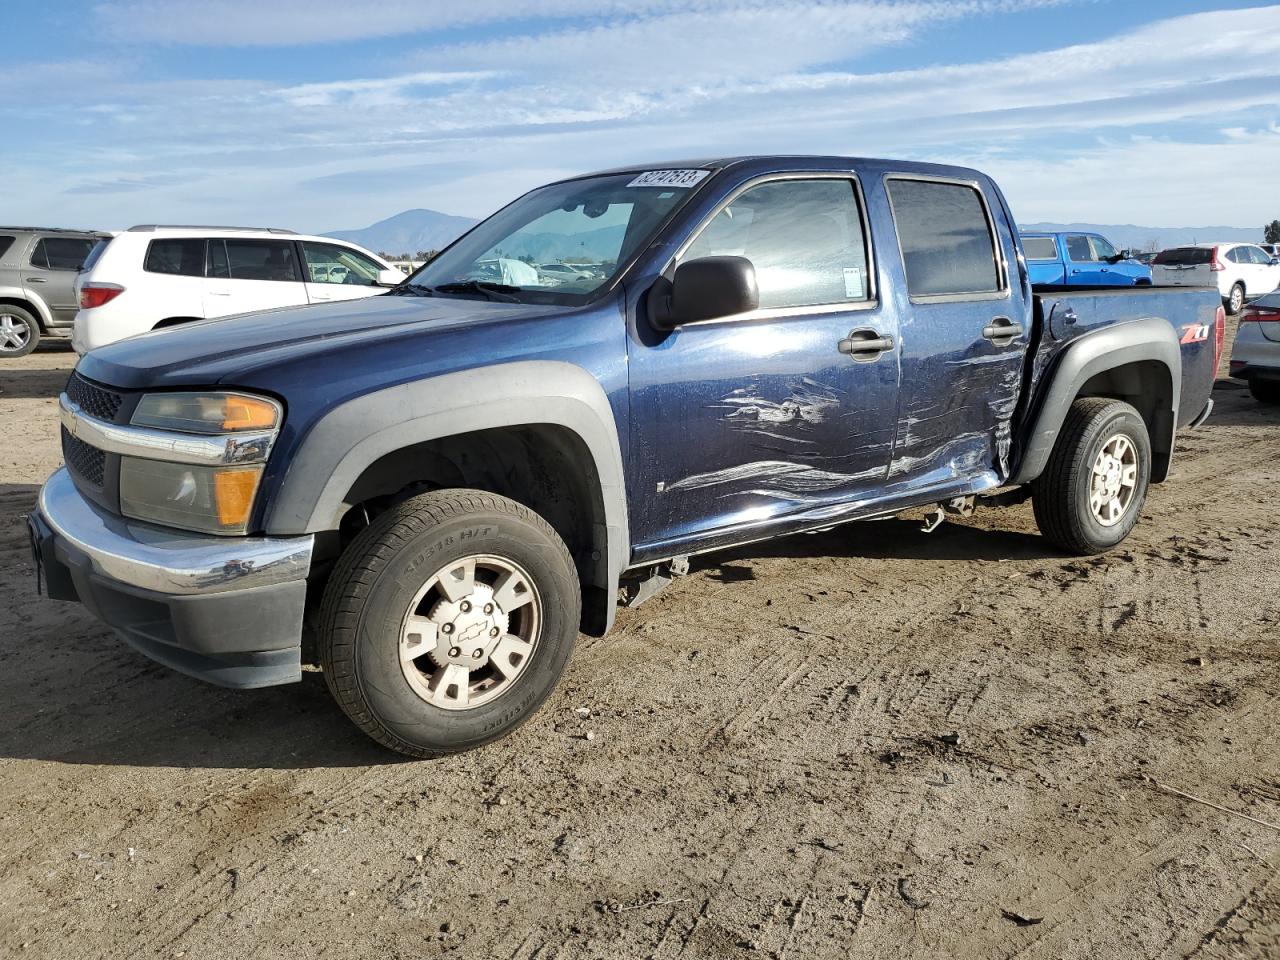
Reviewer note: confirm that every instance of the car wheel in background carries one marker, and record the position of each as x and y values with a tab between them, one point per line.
1235	300
448	621
1092	490
19	331
1265	391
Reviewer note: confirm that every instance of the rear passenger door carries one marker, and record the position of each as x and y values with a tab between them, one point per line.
248	275
50	273
964	337
335	272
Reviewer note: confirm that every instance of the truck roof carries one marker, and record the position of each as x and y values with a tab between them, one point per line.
768	162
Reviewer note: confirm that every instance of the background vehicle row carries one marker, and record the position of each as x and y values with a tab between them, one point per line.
157	276
38	270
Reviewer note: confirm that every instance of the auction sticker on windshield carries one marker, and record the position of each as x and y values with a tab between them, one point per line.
670	178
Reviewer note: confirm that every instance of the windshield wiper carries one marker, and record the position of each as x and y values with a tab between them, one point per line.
494	291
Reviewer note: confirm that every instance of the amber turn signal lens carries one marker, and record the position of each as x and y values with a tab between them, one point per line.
233	492
247	413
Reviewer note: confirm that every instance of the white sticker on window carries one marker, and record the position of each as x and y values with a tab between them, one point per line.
670	178
853	288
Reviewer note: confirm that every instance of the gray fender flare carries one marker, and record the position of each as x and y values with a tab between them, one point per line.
355	434
42	311
1152	339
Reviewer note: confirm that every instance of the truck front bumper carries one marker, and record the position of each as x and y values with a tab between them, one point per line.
223	609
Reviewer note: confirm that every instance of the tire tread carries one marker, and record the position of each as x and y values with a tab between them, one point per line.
353	578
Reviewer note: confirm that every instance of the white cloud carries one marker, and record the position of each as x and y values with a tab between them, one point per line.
465	126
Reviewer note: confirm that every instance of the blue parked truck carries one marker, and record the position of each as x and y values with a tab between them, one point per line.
1081	259
441	486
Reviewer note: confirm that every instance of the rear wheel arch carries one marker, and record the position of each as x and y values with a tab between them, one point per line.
1138	362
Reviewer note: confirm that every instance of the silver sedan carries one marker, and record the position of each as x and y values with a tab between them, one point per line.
1255	357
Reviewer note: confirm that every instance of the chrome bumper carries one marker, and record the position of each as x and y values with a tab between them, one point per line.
164	561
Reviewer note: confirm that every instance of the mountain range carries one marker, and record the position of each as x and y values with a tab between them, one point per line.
415	230
408	232
1134	237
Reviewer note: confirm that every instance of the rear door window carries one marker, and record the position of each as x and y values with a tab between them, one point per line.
1040	248
181	257
804	238
61	253
5	244
948	249
263	260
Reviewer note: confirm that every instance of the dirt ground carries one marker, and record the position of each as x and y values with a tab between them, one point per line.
870	742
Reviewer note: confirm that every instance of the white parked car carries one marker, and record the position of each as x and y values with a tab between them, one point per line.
1240	271
150	277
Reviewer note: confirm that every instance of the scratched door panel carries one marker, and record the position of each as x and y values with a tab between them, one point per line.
736	425
959	392
965	331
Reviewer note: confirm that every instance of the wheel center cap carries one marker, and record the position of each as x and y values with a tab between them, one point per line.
468	629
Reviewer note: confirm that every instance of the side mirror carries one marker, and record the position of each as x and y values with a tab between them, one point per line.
704	289
390	277
1275	261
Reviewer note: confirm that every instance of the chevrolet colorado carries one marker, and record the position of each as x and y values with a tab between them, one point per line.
442	485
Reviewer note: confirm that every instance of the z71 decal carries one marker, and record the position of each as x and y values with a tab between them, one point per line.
1194	333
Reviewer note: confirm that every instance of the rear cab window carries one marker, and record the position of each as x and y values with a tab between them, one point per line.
805	238
1040	248
947	238
5	243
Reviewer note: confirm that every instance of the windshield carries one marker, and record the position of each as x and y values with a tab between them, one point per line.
561	243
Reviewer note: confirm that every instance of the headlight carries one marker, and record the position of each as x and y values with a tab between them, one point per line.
206	412
207	499
207	485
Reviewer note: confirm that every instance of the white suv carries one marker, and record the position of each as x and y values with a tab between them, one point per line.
155	276
1240	271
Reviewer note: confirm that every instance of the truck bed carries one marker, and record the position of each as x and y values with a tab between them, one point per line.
1191	311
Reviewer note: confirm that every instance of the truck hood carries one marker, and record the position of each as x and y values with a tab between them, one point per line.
207	351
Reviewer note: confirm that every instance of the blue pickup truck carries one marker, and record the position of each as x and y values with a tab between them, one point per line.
440	487
1081	259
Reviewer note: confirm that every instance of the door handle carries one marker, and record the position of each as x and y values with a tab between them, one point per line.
865	344
37	280
1002	331
219	293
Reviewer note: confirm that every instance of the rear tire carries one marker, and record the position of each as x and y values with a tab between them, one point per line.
1265	391
19	331
448	621
1235	300
1091	492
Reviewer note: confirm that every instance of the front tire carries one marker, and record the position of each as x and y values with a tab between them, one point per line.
1091	492
19	331
1265	391
448	621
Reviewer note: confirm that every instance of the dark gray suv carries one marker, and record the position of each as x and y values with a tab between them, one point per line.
38	269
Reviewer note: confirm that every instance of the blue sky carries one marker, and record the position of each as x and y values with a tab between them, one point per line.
331	114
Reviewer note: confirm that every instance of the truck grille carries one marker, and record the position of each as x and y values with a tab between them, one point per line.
96	401
86	462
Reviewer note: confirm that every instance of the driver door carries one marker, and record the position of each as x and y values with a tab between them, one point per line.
749	423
